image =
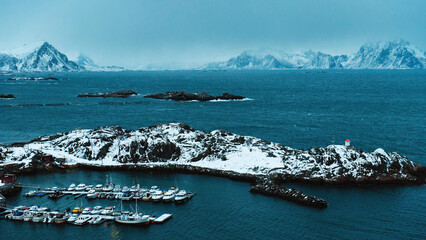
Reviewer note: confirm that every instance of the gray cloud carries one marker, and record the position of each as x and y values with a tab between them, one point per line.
186	33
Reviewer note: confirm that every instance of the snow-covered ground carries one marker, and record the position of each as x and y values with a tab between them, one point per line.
178	144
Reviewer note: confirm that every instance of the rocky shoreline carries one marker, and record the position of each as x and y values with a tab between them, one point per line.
199	96
177	148
117	94
8	96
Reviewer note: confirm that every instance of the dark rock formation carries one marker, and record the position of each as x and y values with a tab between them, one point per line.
6	96
266	186
33	78
185	96
118	94
228	96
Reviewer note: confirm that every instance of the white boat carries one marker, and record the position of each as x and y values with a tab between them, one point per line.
109	186
153	189
99	220
108	211
43	209
33	208
147	197
55	189
181	196
81	187
92	194
157	196
38	217
134	188
132	218
119	195
98	187
72	218
96	210
169	196
87	210
125	189
71	187
81	220
175	189
51	217
31	193
28	215
117	188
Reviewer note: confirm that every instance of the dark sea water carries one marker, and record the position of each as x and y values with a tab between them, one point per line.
299	109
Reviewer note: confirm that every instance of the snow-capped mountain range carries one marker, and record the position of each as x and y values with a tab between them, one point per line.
43	57
379	55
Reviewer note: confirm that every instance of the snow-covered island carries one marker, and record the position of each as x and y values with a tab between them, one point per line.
177	144
178	147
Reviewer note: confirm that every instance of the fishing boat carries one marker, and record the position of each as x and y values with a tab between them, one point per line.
157	196
147	197
109	186
77	210
82	220
127	217
61	218
181	196
169	196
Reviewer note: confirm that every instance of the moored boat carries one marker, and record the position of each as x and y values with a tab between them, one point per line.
82	220
181	196
157	196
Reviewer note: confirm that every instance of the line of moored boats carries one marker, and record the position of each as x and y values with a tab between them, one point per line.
112	191
82	216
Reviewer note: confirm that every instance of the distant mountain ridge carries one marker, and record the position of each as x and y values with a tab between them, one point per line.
43	57
379	55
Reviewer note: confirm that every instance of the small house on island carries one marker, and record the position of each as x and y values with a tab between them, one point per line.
347	143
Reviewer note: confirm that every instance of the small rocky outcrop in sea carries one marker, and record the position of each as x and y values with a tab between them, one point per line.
117	94
33	78
6	96
185	96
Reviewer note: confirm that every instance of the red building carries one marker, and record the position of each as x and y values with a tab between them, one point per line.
8	178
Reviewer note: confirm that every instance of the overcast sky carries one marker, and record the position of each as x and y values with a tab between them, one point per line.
186	33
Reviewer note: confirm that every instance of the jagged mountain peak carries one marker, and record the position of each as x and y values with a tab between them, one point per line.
398	54
44	57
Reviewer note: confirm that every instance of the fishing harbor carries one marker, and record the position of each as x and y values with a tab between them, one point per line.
113	191
91	213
